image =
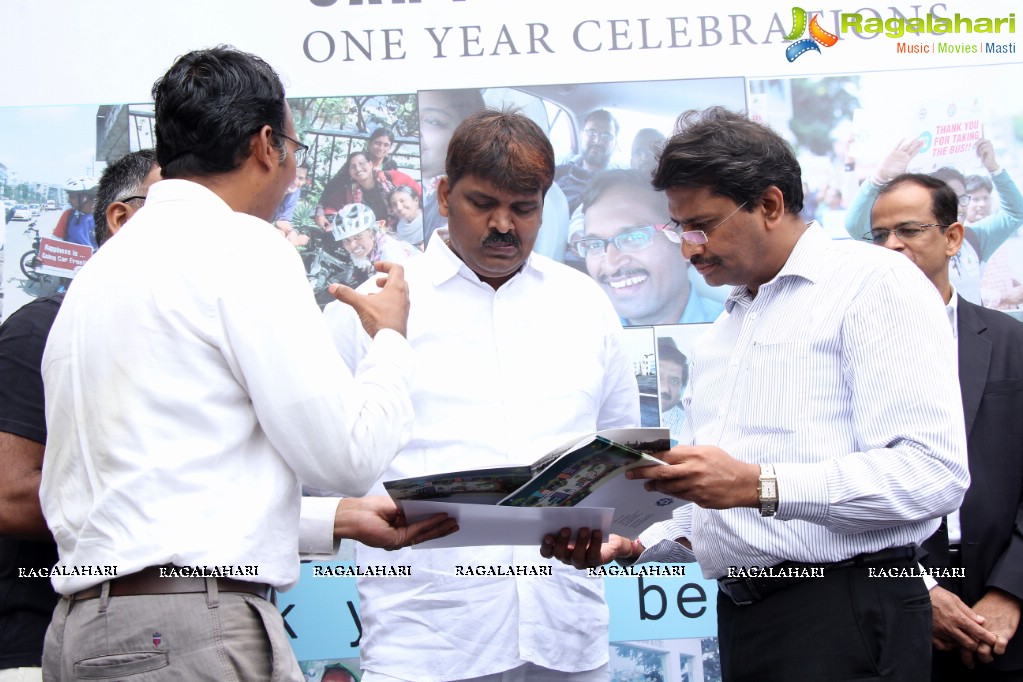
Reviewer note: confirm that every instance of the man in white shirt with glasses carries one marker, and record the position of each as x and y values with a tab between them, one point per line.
180	425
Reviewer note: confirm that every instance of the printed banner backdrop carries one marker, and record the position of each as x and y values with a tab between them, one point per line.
69	103
322	611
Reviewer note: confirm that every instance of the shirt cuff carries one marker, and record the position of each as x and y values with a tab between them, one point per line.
666	552
802	492
395	348
316	529
662	530
659	540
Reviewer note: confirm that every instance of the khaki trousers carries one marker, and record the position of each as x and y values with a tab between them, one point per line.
229	636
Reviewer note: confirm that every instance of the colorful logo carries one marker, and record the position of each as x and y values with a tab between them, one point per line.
817	35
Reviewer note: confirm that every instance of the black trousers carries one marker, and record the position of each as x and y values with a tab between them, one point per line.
948	667
845	626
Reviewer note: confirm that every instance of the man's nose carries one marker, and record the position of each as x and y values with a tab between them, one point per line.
893	242
613	257
689	249
501	219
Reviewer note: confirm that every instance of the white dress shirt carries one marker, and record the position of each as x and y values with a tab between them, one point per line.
842	373
502	377
191	385
955	529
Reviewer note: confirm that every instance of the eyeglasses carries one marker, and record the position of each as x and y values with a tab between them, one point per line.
300	149
598	136
904	232
678	232
633	239
132	198
964	200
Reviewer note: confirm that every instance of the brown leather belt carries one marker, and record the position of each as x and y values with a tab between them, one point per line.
148	581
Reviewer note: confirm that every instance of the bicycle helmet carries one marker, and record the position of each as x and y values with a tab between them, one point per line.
82	183
352	219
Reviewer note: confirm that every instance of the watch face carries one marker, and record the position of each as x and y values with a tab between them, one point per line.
768	489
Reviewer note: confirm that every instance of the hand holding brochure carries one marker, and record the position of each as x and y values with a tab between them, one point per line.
582	474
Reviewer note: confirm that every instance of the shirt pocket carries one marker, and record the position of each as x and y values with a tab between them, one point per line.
777	386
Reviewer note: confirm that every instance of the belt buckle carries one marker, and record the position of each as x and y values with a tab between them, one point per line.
752	593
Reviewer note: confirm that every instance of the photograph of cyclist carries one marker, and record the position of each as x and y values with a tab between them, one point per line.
366	240
76	224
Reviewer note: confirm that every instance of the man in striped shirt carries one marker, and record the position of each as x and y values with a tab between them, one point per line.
825	435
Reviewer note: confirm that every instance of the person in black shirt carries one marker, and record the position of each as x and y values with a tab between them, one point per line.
27	550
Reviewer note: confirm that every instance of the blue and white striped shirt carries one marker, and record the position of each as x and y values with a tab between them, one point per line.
841	372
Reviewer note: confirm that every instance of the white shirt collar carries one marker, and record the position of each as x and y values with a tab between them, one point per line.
952	309
445	263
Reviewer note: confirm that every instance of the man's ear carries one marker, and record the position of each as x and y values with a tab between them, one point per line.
954	236
262	148
117	215
773	204
443	195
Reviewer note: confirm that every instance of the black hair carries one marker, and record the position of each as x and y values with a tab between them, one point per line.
668	350
381	132
121	179
731	156
209	105
505	148
944	203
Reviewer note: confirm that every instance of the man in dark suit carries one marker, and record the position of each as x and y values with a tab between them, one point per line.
976	556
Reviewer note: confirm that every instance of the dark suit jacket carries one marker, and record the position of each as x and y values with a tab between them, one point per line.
991	516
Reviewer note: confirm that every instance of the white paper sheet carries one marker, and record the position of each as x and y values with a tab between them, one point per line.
482	524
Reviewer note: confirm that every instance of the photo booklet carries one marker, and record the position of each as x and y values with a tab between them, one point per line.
580	484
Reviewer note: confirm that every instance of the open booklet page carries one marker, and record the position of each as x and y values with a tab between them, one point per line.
584	473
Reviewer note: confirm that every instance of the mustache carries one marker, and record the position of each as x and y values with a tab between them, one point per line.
495	237
629	272
701	260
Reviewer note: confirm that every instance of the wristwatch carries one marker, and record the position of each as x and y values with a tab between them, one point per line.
768	490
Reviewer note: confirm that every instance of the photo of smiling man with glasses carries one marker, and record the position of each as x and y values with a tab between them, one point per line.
637	263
